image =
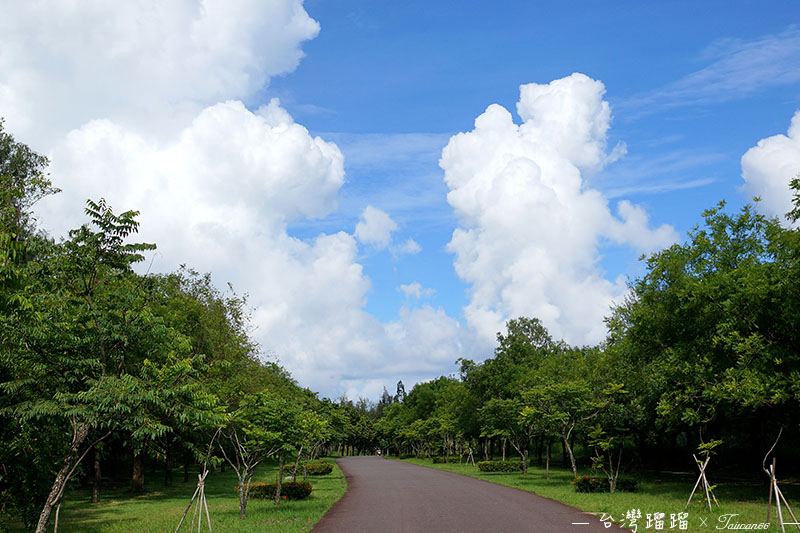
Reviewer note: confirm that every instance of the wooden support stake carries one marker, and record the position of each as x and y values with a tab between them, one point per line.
771	487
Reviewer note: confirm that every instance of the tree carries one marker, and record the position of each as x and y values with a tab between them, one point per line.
261	427
23	182
89	351
794	214
567	392
400	396
713	322
26	477
505	417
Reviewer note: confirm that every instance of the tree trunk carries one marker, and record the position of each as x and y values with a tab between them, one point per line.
186	458
297	464
280	480
137	478
167	468
244	493
525	460
539	450
504	448
547	463
96	483
57	491
568	449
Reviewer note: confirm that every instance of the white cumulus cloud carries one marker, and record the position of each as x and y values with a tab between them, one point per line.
143	63
768	167
410	246
415	289
155	107
375	228
530	230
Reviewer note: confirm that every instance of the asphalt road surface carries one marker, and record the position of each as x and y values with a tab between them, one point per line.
393	496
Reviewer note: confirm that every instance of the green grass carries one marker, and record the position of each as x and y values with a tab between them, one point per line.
161	509
666	494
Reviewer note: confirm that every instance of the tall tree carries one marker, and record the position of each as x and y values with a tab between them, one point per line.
713	324
91	353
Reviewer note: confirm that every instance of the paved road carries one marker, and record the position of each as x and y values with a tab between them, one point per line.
393	496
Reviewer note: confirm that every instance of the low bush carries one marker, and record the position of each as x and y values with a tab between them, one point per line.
499	466
318	468
627	484
439	459
594	484
590	484
405	455
290	490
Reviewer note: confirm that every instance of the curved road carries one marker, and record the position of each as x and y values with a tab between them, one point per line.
389	496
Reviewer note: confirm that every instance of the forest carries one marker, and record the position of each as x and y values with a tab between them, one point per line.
108	372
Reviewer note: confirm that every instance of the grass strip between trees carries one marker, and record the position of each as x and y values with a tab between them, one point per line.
665	494
160	509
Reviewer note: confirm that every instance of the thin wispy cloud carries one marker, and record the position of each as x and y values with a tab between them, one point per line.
658	188
737	69
654	174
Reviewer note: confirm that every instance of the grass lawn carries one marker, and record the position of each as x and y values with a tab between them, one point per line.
667	494
161	509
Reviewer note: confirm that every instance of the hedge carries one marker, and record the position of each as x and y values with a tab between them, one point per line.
499	466
593	484
318	468
290	490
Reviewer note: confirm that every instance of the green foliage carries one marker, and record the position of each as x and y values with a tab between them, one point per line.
707	448
712	327
597	484
794	214
499	466
23	182
589	484
290	490
318	468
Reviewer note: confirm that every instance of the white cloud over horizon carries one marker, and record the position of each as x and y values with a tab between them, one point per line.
530	230
768	167
158	110
150	112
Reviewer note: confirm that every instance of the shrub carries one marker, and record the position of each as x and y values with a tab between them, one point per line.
593	484
499	466
318	468
438	459
627	485
290	490
296	490
590	484
405	455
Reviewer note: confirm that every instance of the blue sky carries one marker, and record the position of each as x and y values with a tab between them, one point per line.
430	68
344	165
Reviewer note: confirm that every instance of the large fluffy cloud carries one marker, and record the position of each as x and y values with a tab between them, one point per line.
531	232
768	167
151	105
144	63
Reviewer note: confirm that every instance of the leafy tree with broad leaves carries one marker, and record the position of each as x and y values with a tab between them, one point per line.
89	351
505	417
713	323
566	393
262	426
25	478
